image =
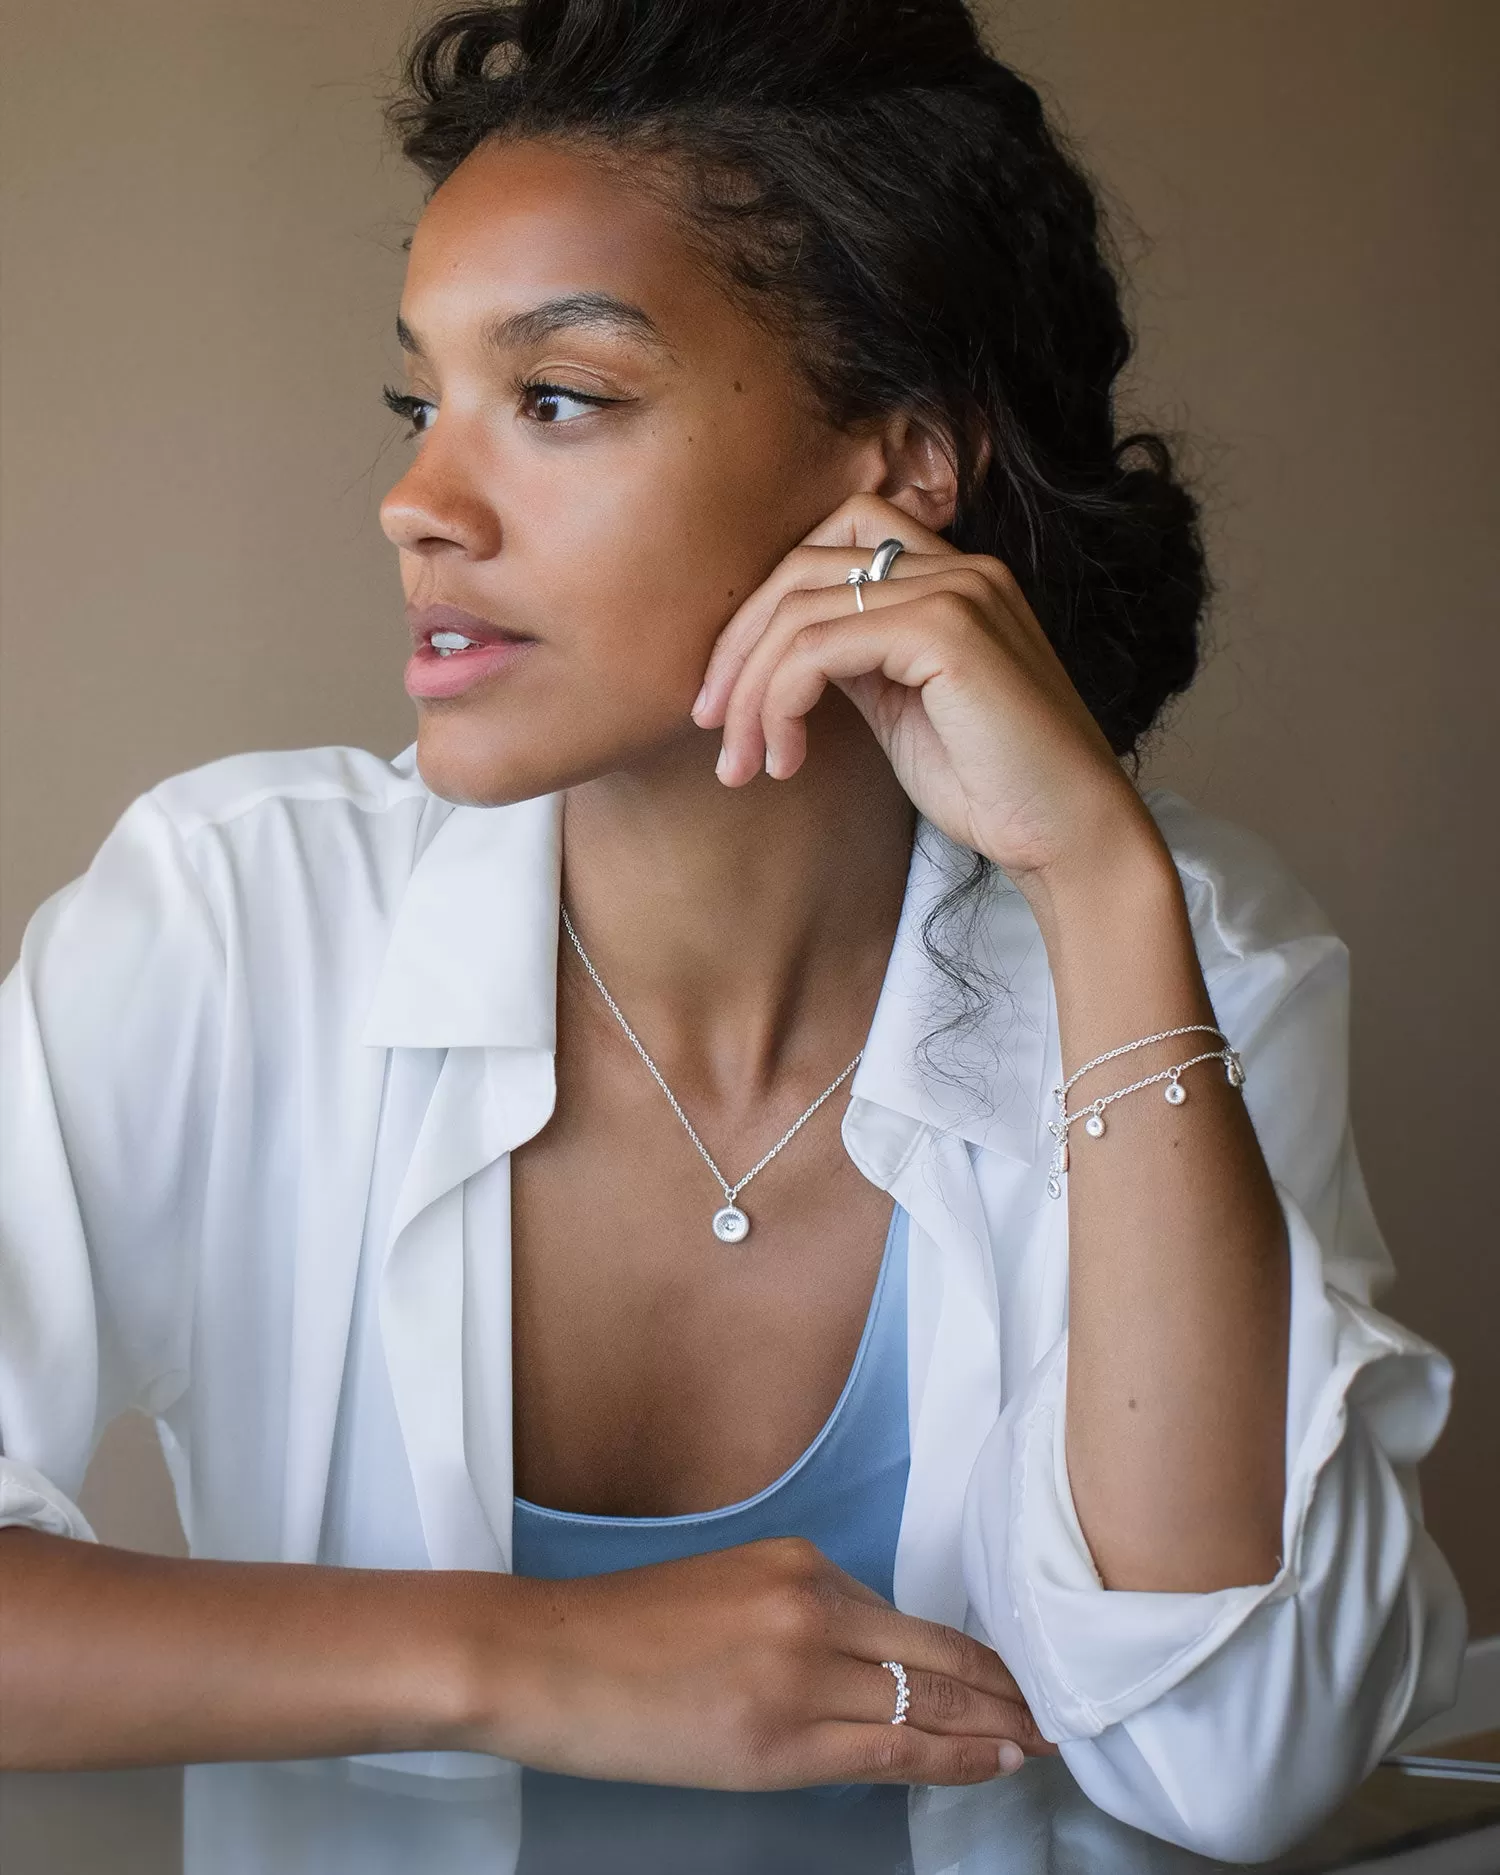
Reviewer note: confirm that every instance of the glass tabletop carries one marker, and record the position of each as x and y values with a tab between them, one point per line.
335	1814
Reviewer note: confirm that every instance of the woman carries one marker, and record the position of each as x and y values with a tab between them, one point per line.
783	605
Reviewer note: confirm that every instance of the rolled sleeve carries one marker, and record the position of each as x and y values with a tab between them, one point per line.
1234	1721
109	1027
26	1497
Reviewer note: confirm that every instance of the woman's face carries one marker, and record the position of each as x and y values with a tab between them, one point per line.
616	537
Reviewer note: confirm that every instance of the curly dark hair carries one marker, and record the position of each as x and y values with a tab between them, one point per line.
883	194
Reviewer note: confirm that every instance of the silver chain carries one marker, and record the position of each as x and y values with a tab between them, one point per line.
1192	1028
1092	1115
731	1192
1167	1074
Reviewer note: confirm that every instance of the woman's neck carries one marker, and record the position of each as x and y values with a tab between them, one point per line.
744	932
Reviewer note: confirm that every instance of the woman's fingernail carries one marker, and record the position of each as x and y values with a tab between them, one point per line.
702	699
722	763
1011	1758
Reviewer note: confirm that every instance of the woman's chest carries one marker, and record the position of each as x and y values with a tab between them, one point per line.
657	1370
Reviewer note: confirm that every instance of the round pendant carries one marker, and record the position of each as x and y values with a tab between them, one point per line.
730	1224
1094	1125
1176	1093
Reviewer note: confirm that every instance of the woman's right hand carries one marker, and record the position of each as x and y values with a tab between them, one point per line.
752	1668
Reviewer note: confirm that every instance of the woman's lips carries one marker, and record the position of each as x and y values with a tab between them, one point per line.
430	674
427	619
437	674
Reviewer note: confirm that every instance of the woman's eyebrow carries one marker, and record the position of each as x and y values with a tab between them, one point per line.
603	311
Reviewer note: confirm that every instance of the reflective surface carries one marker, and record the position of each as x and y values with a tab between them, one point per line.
331	1815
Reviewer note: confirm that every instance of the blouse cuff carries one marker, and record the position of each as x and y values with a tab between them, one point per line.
1086	1656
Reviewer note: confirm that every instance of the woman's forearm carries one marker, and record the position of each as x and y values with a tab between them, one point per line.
110	1658
741	1669
1178	1276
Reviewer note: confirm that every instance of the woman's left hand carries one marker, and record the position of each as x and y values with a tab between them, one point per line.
952	671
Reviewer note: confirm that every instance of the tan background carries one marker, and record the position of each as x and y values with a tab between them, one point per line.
203	266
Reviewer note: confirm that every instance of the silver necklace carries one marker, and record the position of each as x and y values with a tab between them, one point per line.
731	1225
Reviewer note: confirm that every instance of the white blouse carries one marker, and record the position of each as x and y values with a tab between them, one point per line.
264	1064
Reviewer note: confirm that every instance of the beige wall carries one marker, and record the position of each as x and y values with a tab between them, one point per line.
202	268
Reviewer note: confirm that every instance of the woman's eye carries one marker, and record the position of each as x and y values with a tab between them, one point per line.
409	407
544	400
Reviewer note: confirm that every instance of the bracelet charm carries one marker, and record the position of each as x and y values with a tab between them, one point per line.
1174	1092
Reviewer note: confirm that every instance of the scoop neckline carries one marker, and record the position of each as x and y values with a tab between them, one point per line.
597	1520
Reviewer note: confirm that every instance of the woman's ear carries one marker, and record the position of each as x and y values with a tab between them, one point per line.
921	476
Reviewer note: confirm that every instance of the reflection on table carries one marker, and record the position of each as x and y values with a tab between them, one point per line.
324	1816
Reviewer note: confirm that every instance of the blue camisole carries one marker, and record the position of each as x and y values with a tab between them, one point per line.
844	1493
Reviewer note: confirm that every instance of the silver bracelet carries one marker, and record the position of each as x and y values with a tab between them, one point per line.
1093	1114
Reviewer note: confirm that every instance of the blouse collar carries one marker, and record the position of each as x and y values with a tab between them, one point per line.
471	962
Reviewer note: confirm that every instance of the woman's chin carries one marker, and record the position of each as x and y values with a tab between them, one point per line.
489	778
474	763
475	766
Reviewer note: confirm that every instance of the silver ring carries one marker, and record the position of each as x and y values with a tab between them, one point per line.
903	1697
885	553
879	568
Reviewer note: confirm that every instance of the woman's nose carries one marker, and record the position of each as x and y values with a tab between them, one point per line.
437	508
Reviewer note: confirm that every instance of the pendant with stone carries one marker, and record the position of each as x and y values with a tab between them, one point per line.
1094	1125
730	1224
1234	1069
1175	1092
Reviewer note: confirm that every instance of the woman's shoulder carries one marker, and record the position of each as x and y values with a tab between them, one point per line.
289	825
296	853
268	855
277	782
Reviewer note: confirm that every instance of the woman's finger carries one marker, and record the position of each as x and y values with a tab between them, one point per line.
861	1623
839	1751
936	1702
798	611
788	672
862	1690
804	569
870	1634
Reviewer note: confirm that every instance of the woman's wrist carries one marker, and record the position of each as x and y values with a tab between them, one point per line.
489	1675
1120	882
